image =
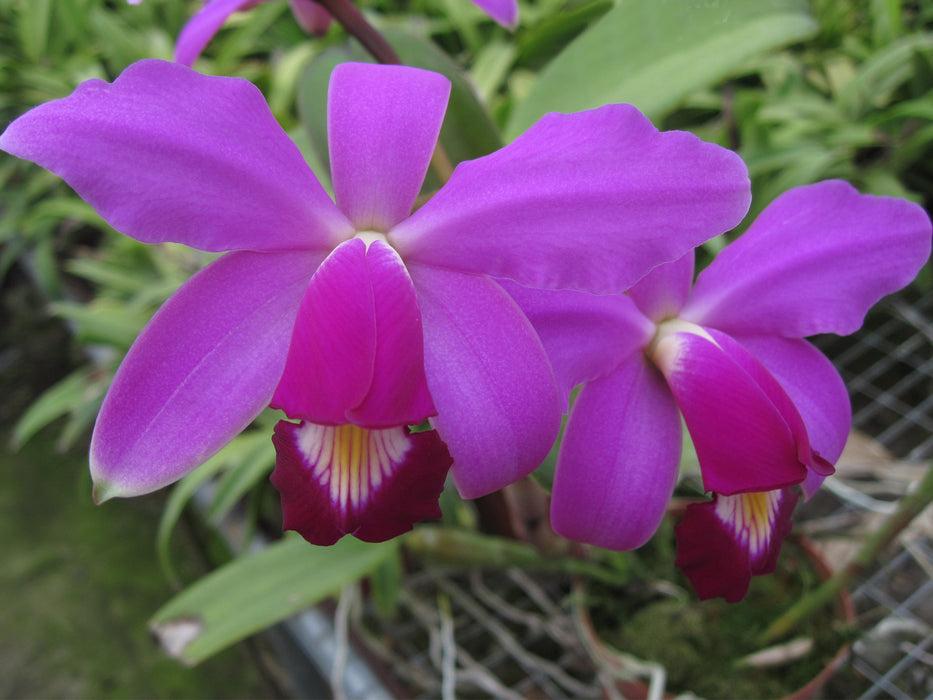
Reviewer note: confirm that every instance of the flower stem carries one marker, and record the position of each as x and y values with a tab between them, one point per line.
463	549
346	13
908	509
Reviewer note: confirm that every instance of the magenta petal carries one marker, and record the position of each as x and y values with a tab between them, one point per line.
382	127
203	26
585	336
200	372
619	459
346	480
589	201
167	154
497	402
662	293
399	391
505	12
356	352
818	392
747	433
723	543
814	262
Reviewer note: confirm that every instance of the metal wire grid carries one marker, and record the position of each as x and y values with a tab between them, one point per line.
896	655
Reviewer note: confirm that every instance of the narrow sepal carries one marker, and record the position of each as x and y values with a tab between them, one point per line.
346	480
722	543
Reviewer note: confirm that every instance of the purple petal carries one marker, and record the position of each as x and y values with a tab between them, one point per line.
814	262
382	127
618	462
204	25
311	16
747	433
662	293
505	12
199	373
356	352
723	543
589	201
346	480
497	402
813	384
585	335
167	154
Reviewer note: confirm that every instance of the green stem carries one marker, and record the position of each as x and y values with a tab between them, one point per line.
464	549
908	509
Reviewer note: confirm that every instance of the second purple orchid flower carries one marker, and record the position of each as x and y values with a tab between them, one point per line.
360	318
765	409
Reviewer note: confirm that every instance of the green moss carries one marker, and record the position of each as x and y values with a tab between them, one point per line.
78	584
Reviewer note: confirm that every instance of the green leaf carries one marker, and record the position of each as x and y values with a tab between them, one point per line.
55	402
254	592
653	53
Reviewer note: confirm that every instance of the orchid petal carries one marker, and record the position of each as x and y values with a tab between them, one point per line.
347	480
201	28
662	293
356	351
199	373
589	201
814	262
814	385
723	543
747	433
311	16
585	335
619	458
505	12
167	154
498	408
382	126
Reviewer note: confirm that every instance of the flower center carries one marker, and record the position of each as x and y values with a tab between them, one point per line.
663	346
369	236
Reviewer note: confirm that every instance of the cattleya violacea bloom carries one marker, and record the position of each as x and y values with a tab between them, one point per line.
359	318
765	409
311	17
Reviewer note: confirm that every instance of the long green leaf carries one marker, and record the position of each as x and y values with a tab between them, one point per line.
653	53
254	592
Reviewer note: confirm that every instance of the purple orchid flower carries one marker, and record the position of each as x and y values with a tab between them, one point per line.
311	16
360	318
765	409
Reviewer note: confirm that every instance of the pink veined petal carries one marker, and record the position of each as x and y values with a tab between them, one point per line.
746	431
818	392
201	28
347	480
199	373
619	459
814	262
723	543
505	12
311	16
498	408
167	154
588	201
585	336
356	351
662	293
382	127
